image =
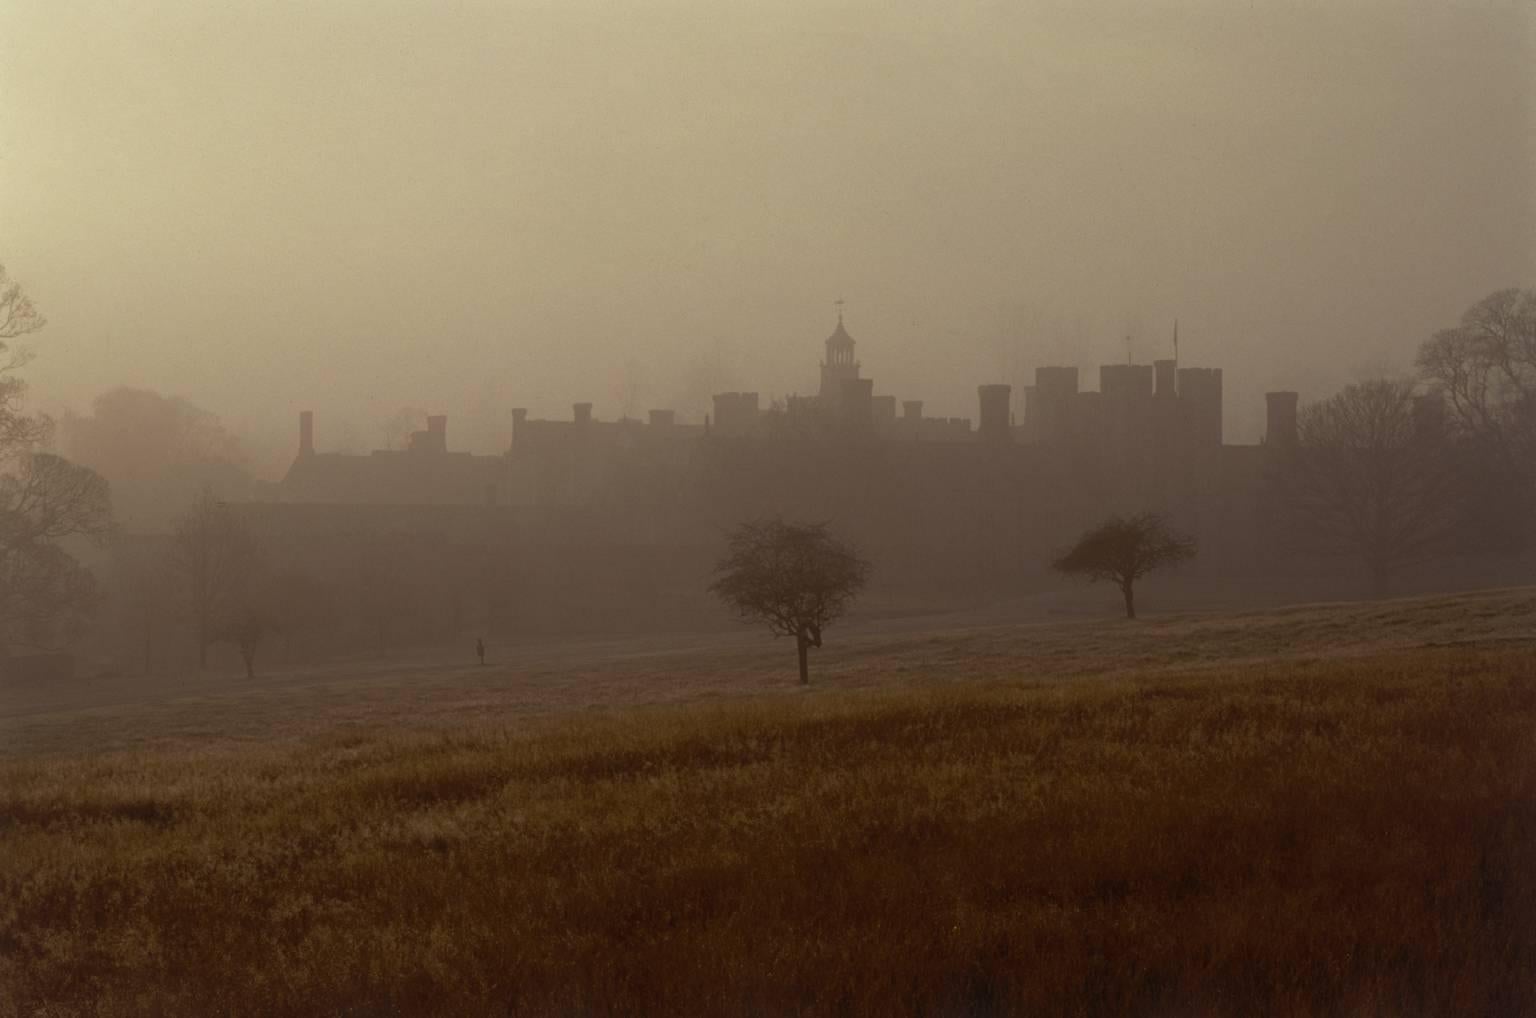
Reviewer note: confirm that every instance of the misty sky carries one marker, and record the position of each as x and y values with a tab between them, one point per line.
353	207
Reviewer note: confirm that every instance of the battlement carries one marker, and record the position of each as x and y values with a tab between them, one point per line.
1139	412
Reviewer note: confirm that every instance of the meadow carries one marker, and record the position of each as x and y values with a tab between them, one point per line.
1348	828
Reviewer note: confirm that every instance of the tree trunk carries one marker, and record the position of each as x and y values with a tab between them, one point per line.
803	644
1130	600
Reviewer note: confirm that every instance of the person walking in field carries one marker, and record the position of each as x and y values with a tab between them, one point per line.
480	649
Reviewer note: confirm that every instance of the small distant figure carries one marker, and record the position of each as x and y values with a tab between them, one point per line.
480	649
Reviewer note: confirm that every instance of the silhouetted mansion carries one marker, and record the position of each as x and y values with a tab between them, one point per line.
924	496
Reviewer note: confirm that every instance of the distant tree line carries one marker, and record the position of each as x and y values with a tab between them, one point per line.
1393	472
1388	473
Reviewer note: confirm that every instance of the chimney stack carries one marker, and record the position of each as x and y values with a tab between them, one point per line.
582	412
306	433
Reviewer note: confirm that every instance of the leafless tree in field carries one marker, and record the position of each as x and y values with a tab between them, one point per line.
794	577
1485	369
1368	480
246	627
1123	549
214	557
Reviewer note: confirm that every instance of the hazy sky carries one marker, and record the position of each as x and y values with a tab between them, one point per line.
352	207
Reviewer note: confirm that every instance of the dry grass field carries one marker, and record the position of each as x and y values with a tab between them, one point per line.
534	679
1318	812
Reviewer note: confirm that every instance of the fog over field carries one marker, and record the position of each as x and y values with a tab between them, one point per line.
353	207
817	507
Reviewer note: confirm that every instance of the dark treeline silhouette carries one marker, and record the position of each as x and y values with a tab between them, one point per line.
1387	486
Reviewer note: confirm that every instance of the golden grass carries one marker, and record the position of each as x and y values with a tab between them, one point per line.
1345	836
529	680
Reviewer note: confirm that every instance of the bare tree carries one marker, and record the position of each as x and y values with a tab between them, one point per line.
1368	480
214	557
246	627
1485	368
44	500
43	590
18	317
1123	549
794	577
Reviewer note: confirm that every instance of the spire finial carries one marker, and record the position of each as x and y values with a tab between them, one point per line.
839	303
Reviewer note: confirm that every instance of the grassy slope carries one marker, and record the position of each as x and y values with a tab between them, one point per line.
550	677
1351	834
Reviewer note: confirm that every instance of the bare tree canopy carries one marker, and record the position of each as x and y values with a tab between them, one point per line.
44	499
247	626
43	591
796	578
1369	479
1486	370
18	317
1123	549
49	498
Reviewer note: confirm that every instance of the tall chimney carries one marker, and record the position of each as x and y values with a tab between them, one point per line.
306	433
519	415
